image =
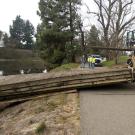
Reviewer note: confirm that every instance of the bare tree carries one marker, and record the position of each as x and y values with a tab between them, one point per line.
115	17
122	19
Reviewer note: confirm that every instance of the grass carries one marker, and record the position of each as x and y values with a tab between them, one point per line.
52	106
39	110
41	128
121	60
66	67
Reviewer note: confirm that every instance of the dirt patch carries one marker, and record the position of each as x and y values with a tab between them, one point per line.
54	115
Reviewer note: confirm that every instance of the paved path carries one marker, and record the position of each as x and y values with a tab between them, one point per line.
108	110
86	65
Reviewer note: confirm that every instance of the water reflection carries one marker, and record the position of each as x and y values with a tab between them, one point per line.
1	73
21	67
21	71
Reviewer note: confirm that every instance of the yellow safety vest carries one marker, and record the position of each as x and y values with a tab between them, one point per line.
90	59
93	60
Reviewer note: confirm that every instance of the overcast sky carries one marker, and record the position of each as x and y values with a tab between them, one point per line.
9	9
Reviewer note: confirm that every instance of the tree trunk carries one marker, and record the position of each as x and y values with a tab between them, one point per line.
82	40
71	24
116	57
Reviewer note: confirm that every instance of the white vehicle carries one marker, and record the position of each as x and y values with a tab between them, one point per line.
98	58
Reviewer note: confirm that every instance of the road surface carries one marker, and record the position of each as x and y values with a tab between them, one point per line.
108	110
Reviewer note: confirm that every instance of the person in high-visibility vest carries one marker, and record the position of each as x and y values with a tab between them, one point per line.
93	62
90	61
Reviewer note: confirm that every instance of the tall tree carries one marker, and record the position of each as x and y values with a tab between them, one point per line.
114	16
58	29
22	33
93	38
1	39
6	40
28	35
74	26
83	45
1	35
17	31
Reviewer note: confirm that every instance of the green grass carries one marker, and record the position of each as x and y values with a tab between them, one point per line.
108	63
121	60
66	67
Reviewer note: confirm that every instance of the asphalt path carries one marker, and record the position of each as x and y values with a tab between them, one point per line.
86	65
108	110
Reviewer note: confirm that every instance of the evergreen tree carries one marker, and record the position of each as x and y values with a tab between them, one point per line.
28	35
6	39
93	38
1	34
22	33
17	31
57	30
1	39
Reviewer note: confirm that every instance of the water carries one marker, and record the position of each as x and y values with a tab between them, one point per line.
20	67
21	71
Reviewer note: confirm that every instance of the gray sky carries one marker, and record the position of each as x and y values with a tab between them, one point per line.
27	9
10	8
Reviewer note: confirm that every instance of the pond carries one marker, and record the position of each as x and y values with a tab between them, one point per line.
20	67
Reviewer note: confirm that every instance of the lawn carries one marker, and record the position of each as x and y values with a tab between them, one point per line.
121	60
66	67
